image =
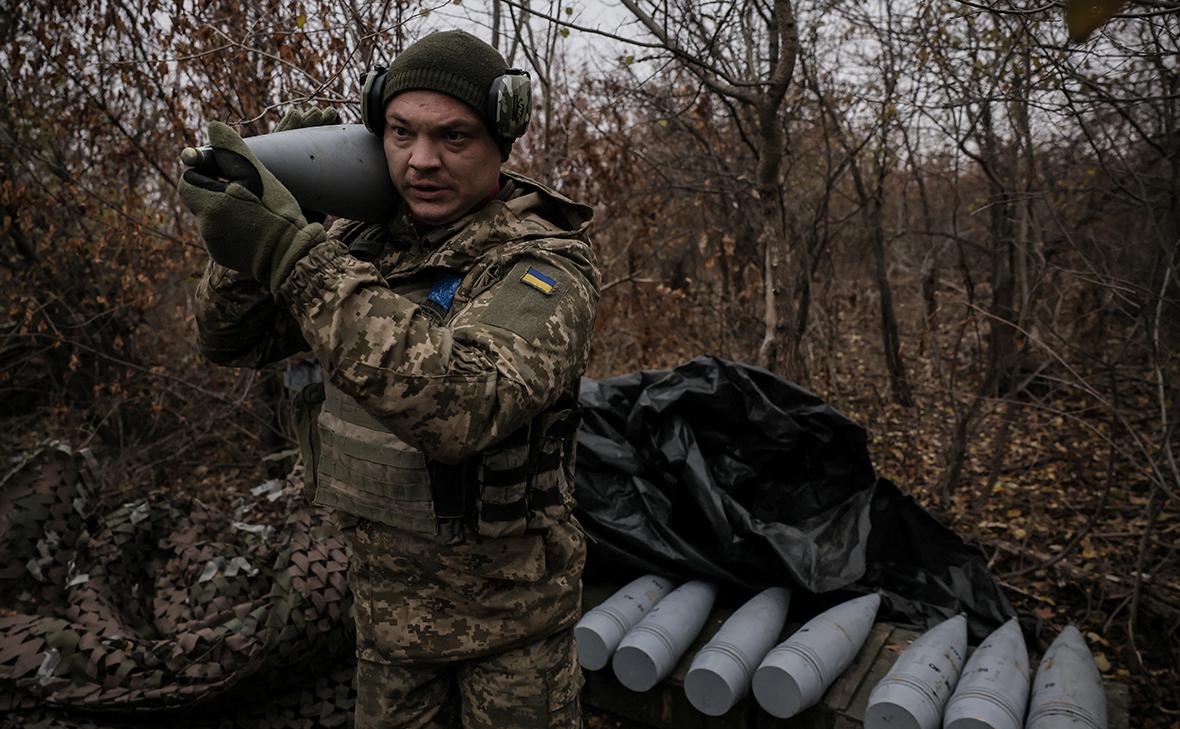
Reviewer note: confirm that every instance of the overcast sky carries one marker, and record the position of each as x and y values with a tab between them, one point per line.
605	15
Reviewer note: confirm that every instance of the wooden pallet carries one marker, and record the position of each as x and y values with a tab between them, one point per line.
842	707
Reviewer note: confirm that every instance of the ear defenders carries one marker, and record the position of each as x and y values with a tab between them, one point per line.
507	110
372	88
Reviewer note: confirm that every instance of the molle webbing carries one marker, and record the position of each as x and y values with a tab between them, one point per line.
551	489
503	507
523	482
365	469
526	480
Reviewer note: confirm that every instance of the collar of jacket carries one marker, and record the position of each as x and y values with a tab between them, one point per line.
524	210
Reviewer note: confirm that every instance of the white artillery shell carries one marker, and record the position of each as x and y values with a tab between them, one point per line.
651	649
599	631
338	169
796	673
912	695
721	671
993	690
1067	691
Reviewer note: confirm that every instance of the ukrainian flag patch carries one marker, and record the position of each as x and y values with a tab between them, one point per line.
539	281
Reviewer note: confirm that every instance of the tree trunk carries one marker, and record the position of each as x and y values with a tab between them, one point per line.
899	383
1001	312
779	350
870	203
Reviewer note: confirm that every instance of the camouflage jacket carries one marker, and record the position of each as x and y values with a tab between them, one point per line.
450	382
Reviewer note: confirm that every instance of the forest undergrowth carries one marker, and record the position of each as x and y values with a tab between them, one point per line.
1053	488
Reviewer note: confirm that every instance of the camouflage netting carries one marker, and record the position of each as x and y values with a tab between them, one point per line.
163	612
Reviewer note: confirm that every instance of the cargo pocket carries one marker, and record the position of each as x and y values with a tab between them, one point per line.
380	607
361	583
563	684
518	558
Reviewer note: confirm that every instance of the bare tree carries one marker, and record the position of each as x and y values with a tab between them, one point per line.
870	177
745	54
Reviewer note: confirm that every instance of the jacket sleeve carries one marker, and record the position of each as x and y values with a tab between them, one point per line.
450	390
238	322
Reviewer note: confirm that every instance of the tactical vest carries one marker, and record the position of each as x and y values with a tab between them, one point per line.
523	482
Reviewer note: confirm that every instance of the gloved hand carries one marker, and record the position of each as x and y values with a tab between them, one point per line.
250	223
309	116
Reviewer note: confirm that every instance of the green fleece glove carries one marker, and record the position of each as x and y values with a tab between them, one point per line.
249	221
308	116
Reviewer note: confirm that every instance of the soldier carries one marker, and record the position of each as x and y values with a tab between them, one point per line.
451	339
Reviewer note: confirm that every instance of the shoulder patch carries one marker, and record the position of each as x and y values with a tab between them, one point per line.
539	281
514	304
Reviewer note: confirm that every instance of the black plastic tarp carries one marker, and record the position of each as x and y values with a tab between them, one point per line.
724	471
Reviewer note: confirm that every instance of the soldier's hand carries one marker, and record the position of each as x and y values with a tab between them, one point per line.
302	118
308	116
249	221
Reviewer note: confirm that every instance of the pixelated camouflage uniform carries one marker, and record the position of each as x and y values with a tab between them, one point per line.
445	443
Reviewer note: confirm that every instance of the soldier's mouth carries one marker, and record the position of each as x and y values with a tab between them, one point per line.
427	192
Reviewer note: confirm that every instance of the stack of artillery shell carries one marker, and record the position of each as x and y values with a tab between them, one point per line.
993	690
912	695
927	687
1067	692
651	649
721	671
796	673
600	630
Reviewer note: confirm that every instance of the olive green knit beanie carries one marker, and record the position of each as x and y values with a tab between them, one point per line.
450	62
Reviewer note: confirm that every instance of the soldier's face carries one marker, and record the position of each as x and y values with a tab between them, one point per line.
442	159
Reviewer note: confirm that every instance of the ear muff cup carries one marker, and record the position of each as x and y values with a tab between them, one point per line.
507	113
510	105
372	111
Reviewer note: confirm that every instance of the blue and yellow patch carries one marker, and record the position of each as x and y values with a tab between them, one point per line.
539	281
